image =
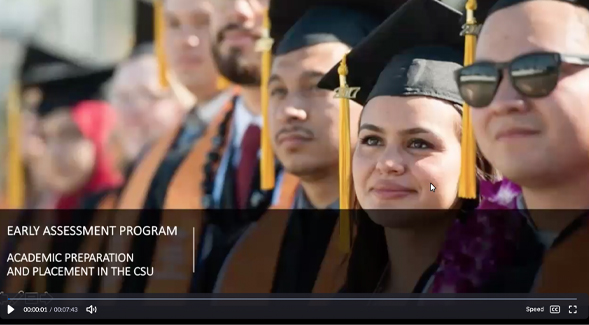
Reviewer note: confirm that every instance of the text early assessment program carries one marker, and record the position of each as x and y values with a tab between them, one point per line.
65	230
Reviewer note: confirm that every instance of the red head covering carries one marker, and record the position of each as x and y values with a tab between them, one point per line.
96	121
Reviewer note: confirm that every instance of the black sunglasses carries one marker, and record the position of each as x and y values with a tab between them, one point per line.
533	75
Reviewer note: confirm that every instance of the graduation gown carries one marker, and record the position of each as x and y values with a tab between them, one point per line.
172	257
287	252
97	209
151	189
562	268
142	190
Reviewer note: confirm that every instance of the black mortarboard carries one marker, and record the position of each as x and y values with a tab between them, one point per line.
144	22
304	23
36	57
502	4
150	31
292	25
414	52
64	84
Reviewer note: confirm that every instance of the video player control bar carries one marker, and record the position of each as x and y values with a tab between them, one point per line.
297	307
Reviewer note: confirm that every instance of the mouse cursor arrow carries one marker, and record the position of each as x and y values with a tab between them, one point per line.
432	187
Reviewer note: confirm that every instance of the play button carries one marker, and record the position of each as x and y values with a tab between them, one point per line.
10	309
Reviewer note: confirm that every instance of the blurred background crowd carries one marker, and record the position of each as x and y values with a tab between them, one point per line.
98	58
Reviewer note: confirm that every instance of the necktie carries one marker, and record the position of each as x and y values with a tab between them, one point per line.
250	145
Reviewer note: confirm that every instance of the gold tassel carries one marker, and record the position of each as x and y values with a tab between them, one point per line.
344	159
159	33
264	45
222	83
467	188
15	176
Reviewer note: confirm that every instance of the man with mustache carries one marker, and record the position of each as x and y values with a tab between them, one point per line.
297	252
530	118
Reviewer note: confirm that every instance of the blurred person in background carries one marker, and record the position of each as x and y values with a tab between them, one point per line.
186	44
73	154
37	194
188	48
146	110
76	160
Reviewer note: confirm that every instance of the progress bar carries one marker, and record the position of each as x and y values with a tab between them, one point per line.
303	299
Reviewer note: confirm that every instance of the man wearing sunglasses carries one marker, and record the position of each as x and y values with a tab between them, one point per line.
529	93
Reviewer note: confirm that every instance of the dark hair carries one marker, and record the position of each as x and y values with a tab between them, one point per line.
369	256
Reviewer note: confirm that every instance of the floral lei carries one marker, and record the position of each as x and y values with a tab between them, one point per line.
483	242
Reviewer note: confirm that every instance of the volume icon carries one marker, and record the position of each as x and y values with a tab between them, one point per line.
91	309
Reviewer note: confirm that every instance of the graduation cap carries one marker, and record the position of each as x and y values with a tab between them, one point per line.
37	56
149	28
415	52
304	23
33	56
64	84
144	23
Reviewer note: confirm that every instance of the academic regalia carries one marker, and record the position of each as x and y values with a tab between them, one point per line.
68	86
542	262
413	53
145	193
560	266
33	57
168	178
297	251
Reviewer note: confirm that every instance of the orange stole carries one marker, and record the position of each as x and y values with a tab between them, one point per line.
252	265
565	268
173	258
92	245
132	198
113	284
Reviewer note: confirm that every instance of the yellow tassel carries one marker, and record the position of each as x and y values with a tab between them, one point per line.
222	83
159	33
344	159
267	169
467	186
15	176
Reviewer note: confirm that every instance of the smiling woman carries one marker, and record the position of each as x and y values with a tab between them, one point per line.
406	143
409	137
